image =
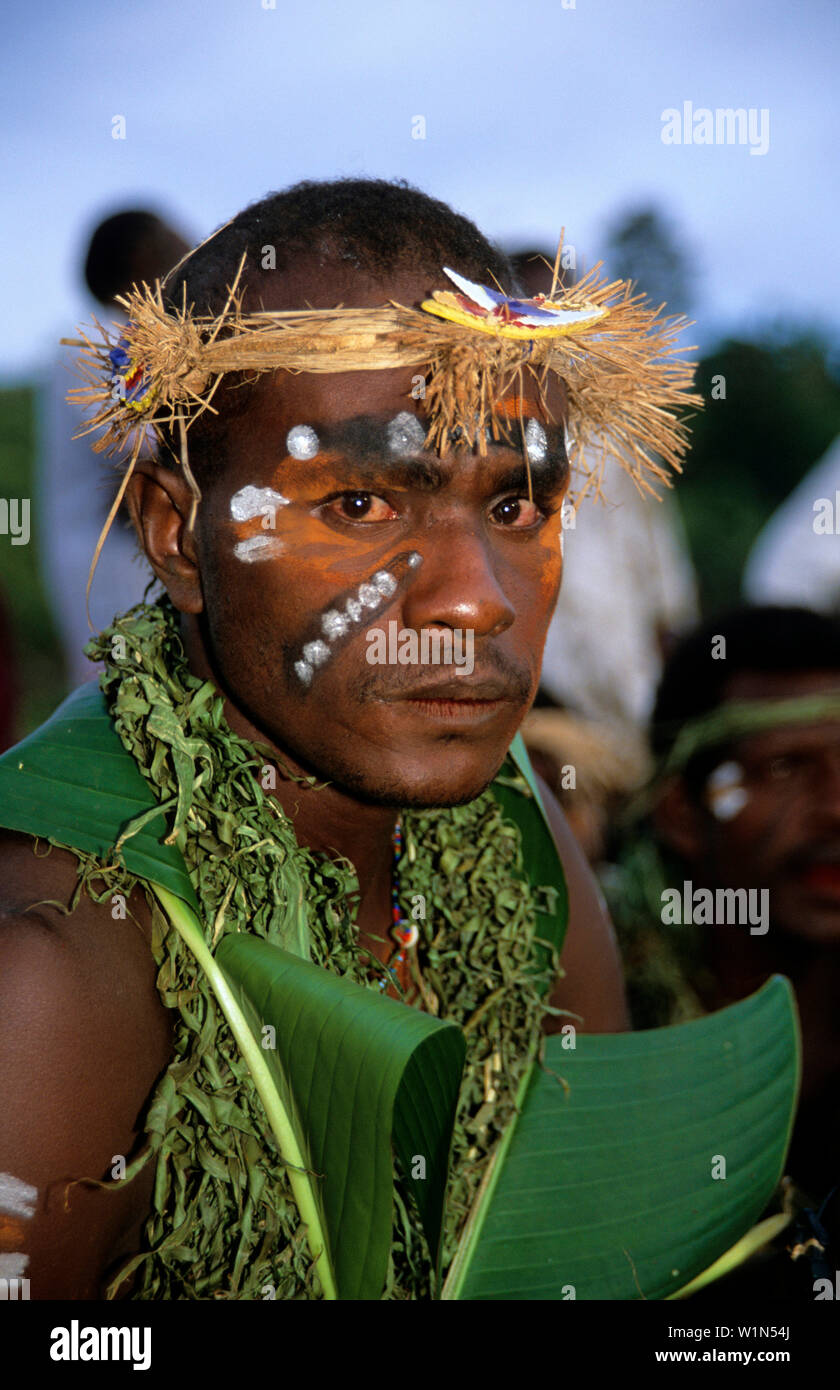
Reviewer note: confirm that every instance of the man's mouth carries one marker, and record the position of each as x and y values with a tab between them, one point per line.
819	874
459	699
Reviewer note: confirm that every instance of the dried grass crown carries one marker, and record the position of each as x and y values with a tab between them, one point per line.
627	384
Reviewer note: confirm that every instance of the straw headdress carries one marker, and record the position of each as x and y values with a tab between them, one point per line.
627	383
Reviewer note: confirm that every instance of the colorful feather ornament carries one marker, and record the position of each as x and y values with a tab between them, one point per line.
489	311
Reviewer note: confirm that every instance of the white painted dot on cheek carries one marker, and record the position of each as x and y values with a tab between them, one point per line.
302	442
334	624
316	653
384	582
405	434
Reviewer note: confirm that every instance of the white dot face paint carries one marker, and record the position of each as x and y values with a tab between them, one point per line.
302	442
334	624
252	501
385	582
337	623
17	1198
258	548
405	435
725	792
316	653
17	1204
536	442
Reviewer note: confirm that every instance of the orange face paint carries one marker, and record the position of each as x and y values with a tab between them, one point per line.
11	1233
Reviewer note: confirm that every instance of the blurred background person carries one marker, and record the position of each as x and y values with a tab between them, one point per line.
752	805
75	486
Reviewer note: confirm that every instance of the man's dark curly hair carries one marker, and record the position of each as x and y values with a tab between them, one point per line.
375	225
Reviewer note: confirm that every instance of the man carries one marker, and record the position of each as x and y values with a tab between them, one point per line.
747	730
319	498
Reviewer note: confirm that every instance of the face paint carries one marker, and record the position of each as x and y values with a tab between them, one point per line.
725	793
17	1204
536	442
302	442
405	435
253	501
11	1233
258	548
361	603
17	1198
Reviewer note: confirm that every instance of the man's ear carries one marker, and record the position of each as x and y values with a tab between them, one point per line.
680	823
159	502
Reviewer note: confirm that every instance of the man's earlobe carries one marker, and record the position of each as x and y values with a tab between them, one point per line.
679	821
159	502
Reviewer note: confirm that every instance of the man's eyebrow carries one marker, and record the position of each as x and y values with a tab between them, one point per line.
359	448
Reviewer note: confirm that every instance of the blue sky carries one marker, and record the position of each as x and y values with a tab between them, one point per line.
537	116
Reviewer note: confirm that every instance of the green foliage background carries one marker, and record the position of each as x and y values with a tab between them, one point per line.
780	413
37	657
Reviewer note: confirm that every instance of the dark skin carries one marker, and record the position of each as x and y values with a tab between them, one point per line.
490	563
786	839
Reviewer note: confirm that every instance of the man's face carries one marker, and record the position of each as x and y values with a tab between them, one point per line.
786	836
331	521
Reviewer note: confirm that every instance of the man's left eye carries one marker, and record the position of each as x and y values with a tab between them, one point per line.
362	506
520	512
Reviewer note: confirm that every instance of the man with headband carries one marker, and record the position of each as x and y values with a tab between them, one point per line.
746	810
361	430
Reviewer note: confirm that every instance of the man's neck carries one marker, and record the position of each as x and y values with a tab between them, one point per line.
325	818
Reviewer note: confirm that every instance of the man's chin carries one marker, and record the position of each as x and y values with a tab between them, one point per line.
409	785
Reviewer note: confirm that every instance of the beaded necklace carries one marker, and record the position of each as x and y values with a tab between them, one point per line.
404	932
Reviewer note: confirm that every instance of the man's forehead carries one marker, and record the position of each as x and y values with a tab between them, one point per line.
285	399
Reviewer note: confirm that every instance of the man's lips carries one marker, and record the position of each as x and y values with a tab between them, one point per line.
459	700
460	689
821	876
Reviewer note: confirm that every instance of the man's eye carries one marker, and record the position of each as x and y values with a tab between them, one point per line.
520	512
362	506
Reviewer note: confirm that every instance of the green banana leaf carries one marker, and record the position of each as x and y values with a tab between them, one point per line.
608	1188
72	782
362	1069
603	1184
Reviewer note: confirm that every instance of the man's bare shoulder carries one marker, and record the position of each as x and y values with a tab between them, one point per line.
593	987
83	1038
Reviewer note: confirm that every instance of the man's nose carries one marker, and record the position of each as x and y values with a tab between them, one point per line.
457	586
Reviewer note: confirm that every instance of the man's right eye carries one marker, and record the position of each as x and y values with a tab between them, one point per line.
362	506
